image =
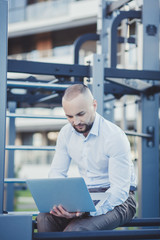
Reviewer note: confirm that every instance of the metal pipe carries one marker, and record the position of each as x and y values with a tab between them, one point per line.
79	41
114	34
14	180
26	147
48	97
143	135
12	115
24	84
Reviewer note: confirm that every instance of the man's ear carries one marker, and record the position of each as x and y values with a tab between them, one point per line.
95	104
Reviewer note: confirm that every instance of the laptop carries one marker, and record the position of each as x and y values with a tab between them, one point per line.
71	193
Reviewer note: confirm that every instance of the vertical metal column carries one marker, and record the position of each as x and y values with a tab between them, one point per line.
98	81
103	47
3	77
148	188
10	167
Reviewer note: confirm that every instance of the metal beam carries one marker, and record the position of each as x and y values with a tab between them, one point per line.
105	234
31	99
3	77
97	83
42	68
118	90
132	74
116	5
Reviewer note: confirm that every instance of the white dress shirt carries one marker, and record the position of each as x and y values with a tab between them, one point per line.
103	159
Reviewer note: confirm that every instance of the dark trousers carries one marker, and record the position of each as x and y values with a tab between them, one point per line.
117	217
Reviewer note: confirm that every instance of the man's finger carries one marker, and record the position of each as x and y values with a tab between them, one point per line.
78	214
66	213
57	211
54	213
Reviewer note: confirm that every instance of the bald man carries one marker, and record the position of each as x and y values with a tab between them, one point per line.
102	153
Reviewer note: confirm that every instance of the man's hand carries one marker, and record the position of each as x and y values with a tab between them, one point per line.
59	211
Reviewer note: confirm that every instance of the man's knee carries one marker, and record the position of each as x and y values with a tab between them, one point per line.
79	225
75	228
41	217
47	222
42	221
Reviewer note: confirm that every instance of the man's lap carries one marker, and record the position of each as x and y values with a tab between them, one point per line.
112	219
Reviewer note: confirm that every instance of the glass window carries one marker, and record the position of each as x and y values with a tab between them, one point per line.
17	3
16	15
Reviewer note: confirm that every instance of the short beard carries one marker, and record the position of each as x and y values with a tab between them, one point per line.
87	128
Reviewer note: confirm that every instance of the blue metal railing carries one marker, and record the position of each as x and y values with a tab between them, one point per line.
3	92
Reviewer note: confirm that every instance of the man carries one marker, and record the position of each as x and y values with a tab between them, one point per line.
102	153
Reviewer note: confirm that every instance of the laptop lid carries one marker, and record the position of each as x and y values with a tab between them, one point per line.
71	193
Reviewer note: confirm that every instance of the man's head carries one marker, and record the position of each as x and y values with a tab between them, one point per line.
79	107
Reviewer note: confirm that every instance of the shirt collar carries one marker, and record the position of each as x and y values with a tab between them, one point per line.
95	128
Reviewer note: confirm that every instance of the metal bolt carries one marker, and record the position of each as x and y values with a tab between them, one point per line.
150	129
150	144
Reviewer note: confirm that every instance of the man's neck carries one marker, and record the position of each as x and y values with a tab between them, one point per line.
85	134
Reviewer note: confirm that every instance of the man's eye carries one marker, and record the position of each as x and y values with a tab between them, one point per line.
81	114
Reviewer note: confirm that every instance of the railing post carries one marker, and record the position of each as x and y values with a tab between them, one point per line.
10	165
3	78
148	169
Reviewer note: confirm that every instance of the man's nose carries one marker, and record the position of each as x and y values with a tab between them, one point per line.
76	120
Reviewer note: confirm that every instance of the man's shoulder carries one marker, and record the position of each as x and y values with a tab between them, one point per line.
112	133
66	130
67	127
109	126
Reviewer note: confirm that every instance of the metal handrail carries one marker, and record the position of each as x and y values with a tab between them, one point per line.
105	234
26	147
13	115
136	134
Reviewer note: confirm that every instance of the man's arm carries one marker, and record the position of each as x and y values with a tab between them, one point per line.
120	167
59	168
61	160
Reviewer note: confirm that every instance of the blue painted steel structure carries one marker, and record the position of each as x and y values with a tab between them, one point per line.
3	77
10	164
101	235
15	227
79	41
149	175
114	31
104	84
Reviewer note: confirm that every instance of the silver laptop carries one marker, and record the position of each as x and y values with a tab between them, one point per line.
71	193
